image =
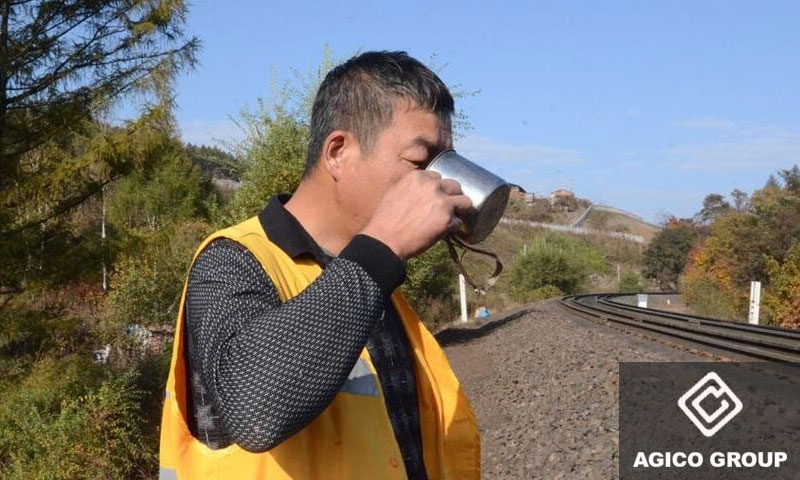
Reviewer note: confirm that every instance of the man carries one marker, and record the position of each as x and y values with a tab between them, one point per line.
294	355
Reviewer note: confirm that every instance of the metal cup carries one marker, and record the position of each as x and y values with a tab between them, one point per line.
488	192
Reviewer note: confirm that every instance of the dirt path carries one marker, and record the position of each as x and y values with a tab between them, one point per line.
544	387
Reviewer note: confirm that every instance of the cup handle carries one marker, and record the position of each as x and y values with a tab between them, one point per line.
452	241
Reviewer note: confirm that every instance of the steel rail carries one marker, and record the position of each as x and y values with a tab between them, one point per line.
752	341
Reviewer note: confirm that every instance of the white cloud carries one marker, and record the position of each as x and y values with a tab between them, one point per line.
705	122
538	168
210	132
742	149
490	151
633	112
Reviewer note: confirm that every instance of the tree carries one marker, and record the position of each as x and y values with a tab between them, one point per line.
215	162
274	154
169	193
63	64
740	200
782	299
714	205
791	179
430	285
64	67
666	255
62	61
771	183
742	246
778	212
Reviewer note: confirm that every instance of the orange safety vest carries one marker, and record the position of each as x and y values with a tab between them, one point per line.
353	437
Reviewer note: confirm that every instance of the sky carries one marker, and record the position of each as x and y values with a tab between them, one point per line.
645	106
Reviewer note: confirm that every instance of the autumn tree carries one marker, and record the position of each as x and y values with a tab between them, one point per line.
782	299
754	244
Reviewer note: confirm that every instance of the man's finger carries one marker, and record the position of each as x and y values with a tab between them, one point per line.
431	174
450	186
454	225
461	204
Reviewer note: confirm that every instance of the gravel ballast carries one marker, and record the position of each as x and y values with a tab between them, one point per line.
544	388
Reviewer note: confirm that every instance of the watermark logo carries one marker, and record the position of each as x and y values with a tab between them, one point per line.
710	389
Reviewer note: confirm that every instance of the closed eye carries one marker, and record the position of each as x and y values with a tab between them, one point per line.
417	164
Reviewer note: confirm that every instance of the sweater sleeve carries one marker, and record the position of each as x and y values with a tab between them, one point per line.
271	367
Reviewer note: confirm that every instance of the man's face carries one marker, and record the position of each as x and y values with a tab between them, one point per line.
408	143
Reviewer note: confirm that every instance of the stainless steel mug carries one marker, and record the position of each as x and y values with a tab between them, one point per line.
488	192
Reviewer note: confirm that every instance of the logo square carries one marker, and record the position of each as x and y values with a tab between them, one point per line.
711	385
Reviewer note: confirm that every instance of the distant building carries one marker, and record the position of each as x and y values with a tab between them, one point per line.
516	189
519	193
561	196
529	198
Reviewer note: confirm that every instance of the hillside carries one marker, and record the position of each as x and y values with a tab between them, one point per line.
532	223
602	217
581	213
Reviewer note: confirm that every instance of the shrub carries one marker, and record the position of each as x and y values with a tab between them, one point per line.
543	293
555	260
631	282
70	419
430	285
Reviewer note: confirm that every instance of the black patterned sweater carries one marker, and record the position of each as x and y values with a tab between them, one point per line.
260	369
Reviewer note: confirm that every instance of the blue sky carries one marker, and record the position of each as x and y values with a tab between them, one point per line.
646	106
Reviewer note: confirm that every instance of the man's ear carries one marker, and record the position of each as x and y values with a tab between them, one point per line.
340	147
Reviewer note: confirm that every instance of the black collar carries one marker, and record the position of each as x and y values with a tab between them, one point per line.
286	232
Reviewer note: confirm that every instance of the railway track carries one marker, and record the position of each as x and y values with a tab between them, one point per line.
749	341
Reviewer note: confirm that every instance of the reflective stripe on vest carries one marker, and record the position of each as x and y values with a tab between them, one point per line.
353	437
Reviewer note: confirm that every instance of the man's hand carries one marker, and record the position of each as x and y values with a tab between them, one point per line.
417	211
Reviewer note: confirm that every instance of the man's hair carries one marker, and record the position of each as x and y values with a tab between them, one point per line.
359	96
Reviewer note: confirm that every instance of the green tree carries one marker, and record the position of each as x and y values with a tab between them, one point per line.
214	161
271	157
148	200
741	202
148	279
274	154
666	255
64	63
714	205
63	66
